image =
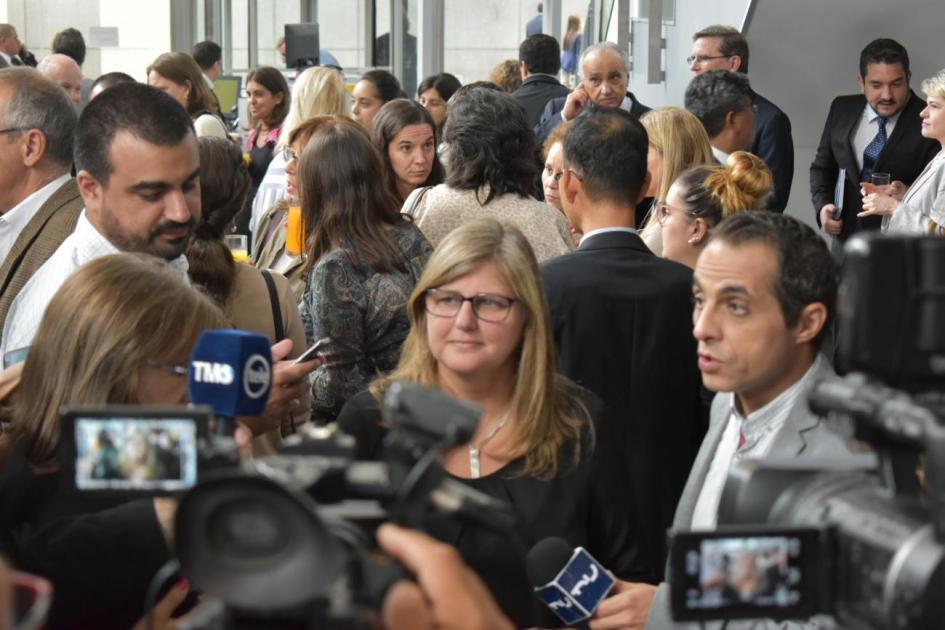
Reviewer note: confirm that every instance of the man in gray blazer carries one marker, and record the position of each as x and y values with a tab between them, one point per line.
764	291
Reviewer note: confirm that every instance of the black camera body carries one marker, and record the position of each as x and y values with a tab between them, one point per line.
288	541
862	543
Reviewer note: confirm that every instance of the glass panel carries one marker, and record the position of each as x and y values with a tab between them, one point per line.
479	35
341	32
273	16
576	15
239	19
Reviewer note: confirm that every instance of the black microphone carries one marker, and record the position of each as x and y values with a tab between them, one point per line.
568	580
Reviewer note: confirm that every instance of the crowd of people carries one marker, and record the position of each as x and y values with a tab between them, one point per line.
615	287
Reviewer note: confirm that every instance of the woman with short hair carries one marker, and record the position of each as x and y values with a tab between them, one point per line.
491	172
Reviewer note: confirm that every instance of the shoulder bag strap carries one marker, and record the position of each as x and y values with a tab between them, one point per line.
274	302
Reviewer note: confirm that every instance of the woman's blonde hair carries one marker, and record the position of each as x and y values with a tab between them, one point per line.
715	192
935	86
183	70
681	141
546	406
108	318
319	91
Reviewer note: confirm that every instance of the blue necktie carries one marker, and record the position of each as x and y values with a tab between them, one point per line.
873	149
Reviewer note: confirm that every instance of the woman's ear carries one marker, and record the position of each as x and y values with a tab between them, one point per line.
698	231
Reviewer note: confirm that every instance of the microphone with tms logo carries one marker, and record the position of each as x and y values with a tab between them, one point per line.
231	371
568	580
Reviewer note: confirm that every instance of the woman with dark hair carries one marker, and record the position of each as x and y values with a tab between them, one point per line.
178	75
491	171
405	135
248	299
363	260
434	93
375	88
268	106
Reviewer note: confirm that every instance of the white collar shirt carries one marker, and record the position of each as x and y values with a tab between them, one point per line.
867	129
720	155
14	220
605	230
83	245
759	430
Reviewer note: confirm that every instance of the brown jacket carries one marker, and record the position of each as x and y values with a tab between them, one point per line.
49	227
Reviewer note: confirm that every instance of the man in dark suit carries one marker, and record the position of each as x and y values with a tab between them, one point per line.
721	100
606	78
622	320
764	292
725	48
540	60
878	131
10	46
39	202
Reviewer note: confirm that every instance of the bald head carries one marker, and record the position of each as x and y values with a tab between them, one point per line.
605	74
65	72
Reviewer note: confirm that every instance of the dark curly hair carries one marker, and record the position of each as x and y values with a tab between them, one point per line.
807	272
224	188
490	143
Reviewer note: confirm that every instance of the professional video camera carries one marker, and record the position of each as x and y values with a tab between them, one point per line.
862	543
281	541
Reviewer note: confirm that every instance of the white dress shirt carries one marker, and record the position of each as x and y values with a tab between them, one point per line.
271	190
867	129
14	220
605	230
720	155
83	245
760	429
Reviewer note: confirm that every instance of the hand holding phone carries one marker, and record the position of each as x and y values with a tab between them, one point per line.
313	352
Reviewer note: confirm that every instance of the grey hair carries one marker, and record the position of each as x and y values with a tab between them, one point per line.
38	103
607	46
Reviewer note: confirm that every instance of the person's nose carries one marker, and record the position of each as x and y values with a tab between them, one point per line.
704	325
466	317
176	208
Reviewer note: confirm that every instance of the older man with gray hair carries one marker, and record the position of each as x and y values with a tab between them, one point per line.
39	201
604	67
65	72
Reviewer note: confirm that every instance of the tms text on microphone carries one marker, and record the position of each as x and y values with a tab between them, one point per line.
569	581
231	371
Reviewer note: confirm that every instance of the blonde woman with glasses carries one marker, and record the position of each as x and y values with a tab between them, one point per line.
481	332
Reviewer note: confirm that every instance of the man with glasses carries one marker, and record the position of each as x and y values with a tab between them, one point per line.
604	67
721	100
39	202
622	320
725	48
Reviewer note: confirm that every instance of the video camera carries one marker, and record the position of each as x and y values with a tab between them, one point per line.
862	542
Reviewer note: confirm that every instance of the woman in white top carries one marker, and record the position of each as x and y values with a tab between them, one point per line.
178	75
920	209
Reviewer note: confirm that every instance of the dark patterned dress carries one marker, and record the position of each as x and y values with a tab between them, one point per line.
363	313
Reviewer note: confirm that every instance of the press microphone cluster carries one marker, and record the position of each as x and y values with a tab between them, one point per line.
568	580
231	371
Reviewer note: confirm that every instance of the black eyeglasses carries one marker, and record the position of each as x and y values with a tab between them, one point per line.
177	370
486	306
704	58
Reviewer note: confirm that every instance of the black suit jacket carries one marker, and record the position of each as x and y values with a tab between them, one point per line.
535	92
773	144
905	155
551	117
622	321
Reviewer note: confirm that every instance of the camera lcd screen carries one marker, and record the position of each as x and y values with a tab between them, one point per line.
737	576
135	454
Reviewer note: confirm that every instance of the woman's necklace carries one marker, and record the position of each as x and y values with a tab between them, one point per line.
474	451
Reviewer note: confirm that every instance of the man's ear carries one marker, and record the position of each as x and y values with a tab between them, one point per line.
569	186
32	147
91	190
811	321
861	83
735	63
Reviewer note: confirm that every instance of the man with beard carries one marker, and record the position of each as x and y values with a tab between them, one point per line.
137	171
